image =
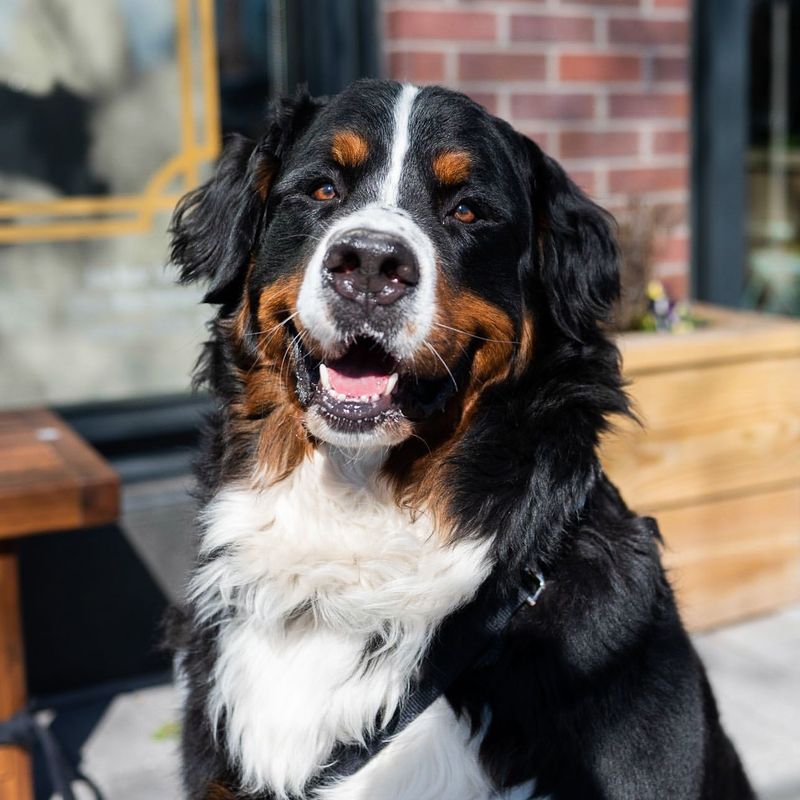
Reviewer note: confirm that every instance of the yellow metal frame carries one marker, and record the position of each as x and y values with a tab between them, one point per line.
82	217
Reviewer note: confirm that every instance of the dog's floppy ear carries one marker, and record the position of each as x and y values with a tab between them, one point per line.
574	250
214	227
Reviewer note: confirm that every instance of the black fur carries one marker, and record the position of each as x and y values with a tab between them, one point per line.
597	691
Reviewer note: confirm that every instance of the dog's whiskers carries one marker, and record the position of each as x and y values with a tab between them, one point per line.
444	363
475	335
427	446
274	328
297	338
270	333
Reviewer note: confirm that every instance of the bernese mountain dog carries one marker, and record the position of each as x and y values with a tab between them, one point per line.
414	581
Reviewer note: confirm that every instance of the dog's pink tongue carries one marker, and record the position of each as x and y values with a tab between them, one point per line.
355	382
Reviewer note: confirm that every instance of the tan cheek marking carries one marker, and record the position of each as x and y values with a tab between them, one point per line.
418	469
268	408
473	315
275	303
350	149
452	167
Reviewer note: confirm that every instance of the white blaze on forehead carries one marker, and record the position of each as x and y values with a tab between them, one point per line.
315	303
400	142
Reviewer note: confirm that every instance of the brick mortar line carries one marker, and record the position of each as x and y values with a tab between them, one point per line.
584	125
680	196
552	68
661	196
503	28
601	30
602	106
552	146
504	105
607	126
637	84
601	182
626	163
671	86
646	142
599	87
620	210
517	47
548	8
451	65
671	268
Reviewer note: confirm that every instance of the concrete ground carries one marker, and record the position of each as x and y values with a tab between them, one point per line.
755	671
754	667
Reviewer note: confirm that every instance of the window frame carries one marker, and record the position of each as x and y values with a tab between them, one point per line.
720	81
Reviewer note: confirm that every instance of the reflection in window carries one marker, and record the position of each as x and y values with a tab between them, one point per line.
104	124
773	274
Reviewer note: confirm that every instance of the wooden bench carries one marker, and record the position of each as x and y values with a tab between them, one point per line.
50	480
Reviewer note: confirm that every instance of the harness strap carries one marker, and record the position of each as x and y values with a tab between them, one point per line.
469	636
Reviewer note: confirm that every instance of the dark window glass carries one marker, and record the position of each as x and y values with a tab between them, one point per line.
773	159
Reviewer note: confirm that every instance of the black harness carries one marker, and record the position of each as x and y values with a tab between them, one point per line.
469	637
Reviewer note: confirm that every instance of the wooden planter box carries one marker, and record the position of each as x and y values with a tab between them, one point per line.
718	461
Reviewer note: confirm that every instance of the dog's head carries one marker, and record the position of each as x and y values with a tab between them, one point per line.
384	257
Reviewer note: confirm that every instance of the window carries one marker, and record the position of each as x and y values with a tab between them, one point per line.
746	154
773	159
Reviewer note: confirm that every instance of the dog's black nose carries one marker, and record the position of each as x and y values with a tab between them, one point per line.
371	267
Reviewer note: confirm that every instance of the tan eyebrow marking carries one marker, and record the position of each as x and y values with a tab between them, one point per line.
350	149
452	167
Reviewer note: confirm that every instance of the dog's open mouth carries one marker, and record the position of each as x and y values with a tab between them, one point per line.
365	387
359	386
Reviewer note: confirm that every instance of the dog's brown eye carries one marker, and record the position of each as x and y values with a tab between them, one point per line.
325	191
463	213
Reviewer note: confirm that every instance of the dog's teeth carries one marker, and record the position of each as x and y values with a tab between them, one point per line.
324	378
340	396
374	398
391	383
364	398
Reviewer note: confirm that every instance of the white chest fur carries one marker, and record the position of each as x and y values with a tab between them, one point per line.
314	569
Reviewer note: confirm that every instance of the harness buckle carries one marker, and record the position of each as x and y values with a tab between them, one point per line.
533	597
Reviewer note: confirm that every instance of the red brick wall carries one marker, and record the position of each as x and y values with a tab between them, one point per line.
602	85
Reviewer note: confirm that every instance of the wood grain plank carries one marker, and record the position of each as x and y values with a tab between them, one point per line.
21	457
708	432
730	336
718	461
41	509
735	557
51	478
99	484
